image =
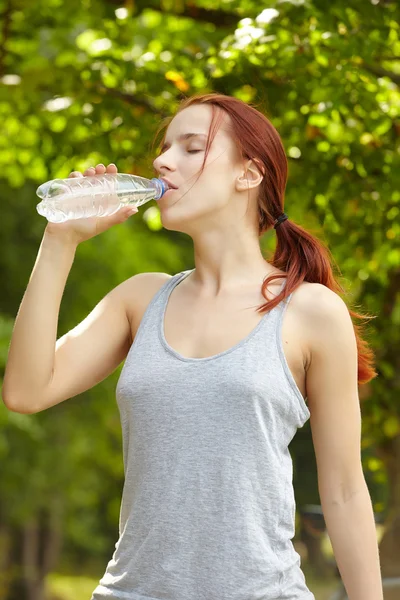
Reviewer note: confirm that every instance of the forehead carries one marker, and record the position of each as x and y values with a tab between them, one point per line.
196	119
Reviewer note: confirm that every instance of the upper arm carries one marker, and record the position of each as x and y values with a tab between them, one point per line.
332	393
92	350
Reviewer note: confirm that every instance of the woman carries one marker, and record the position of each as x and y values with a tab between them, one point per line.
228	360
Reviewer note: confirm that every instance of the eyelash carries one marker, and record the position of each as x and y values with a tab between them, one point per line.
188	151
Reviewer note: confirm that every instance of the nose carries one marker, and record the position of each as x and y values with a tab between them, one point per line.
164	161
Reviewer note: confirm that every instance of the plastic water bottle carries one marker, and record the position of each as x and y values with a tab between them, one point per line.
95	196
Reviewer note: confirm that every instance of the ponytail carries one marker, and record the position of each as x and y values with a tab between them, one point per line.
302	256
305	258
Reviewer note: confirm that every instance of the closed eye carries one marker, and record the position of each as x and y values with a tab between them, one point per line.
193	151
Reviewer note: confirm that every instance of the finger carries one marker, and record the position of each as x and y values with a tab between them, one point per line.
100	168
120	216
75	174
125	212
90	171
112	168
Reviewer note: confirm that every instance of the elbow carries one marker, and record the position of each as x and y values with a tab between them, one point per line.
22	410
341	494
14	405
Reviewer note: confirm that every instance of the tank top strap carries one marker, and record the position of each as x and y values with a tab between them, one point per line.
150	321
283	284
270	324
281	307
164	292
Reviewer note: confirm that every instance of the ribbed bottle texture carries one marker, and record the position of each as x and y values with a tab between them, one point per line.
95	196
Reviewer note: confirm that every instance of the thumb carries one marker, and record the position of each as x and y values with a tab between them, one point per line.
124	213
120	216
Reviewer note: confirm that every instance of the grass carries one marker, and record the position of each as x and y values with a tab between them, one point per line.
321	588
72	587
69	587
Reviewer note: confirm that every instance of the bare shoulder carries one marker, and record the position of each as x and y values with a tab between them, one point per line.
146	281
315	300
318	303
321	313
137	292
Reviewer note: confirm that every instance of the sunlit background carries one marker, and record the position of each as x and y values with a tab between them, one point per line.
87	82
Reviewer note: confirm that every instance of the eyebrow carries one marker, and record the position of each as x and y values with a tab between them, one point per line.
184	136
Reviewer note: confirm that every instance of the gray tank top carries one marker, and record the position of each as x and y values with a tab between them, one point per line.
208	507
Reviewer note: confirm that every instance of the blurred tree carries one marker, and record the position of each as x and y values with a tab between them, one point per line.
88	81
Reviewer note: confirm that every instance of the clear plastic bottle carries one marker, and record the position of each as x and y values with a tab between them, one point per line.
95	196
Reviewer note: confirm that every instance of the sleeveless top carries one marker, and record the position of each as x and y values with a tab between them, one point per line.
208	506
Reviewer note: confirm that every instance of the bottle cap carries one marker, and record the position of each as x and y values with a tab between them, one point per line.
162	185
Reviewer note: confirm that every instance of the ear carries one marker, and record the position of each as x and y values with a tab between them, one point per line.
251	176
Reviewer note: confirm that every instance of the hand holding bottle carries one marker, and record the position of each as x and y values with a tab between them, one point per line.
80	230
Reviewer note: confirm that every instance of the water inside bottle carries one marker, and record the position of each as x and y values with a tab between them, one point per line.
89	196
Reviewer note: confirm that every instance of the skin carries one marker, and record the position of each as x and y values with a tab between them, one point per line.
219	211
75	231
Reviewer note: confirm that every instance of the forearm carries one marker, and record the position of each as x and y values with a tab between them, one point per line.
351	528
31	354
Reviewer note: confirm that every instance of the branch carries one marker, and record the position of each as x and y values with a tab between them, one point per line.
129	98
381	72
391	294
188	9
219	18
6	29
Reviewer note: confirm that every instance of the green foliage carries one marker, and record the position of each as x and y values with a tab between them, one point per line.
88	81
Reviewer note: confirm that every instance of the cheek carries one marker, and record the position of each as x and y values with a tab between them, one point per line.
222	164
217	173
216	169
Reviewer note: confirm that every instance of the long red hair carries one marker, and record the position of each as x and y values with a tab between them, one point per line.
299	254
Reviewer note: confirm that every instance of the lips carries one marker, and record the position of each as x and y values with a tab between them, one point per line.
170	185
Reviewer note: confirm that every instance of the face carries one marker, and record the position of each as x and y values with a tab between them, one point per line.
195	205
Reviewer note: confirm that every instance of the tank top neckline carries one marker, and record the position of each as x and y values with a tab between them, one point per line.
172	285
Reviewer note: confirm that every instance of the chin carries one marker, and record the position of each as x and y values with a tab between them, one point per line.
175	220
169	218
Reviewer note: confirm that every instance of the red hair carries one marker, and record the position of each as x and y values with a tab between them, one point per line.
301	255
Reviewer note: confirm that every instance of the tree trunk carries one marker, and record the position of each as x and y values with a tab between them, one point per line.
311	536
389	547
35	551
5	557
34	582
